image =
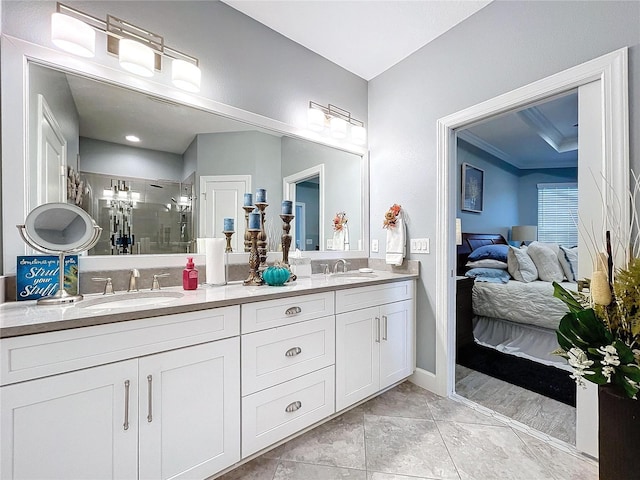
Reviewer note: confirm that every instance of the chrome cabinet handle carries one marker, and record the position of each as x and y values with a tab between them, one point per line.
377	329
293	406
292	311
150	398
292	352
384	327
126	405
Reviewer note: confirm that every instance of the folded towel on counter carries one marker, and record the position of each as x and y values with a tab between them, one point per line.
341	239
396	243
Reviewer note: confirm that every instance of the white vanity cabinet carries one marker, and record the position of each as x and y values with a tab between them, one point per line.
375	339
172	414
288	376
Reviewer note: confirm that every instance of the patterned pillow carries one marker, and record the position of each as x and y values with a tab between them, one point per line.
546	260
521	266
568	258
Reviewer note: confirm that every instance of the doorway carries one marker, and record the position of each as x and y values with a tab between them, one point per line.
612	160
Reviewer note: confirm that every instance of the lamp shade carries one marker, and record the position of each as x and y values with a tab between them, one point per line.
358	134
136	57
524	233
338	127
73	35
185	75
458	231
315	119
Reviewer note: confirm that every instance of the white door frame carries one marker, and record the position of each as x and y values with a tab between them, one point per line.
611	69
289	193
46	117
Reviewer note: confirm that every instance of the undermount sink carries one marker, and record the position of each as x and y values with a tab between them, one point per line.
128	300
353	275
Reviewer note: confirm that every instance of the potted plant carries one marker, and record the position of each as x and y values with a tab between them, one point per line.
600	338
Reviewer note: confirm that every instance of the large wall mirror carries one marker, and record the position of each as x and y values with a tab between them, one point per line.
158	194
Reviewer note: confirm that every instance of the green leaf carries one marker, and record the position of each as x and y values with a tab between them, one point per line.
568	299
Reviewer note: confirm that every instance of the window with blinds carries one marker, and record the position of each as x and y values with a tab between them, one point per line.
558	213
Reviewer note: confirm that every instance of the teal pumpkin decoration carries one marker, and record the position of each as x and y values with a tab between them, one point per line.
276	275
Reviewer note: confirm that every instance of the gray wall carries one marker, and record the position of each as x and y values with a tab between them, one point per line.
504	46
123	161
244	63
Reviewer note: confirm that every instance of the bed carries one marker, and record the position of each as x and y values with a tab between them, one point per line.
515	317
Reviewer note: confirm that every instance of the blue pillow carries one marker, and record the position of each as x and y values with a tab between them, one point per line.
491	275
494	252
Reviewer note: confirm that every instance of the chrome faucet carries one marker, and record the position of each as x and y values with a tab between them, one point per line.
344	265
134	274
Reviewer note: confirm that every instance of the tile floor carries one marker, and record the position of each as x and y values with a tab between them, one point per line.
409	433
537	411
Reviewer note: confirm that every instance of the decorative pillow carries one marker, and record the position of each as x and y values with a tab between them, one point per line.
546	260
487	263
521	266
568	258
493	252
492	275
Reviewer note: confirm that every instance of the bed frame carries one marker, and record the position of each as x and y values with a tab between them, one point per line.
471	241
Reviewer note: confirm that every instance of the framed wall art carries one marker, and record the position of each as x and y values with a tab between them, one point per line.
472	188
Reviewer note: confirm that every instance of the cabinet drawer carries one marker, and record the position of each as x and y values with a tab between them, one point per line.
276	413
279	354
284	311
44	354
365	297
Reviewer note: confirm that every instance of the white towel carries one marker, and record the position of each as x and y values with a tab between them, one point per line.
341	239
396	243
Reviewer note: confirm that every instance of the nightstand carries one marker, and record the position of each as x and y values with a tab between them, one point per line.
464	312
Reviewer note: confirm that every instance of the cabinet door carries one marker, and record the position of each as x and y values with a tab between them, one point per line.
76	425
396	342
190	411
357	356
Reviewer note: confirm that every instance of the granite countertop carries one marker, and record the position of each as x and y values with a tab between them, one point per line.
25	318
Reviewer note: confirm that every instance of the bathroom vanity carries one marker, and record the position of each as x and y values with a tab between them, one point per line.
188	386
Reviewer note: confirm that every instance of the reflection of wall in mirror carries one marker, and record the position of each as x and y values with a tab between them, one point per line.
308	193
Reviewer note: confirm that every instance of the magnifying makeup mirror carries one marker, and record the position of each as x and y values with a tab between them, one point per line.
59	229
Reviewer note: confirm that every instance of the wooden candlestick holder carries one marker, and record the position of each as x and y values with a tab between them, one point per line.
247	235
254	277
262	235
286	242
228	234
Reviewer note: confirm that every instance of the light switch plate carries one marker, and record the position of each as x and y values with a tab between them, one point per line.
374	245
329	243
419	245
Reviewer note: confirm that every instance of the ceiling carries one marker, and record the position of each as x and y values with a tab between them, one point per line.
366	37
544	135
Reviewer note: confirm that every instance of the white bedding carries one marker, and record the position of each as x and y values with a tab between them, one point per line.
529	303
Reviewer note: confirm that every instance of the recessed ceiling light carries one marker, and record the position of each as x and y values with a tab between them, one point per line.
132	138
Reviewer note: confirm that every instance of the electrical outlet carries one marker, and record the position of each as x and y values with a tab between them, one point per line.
329	243
374	245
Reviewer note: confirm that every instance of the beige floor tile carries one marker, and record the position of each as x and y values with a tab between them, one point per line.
305	471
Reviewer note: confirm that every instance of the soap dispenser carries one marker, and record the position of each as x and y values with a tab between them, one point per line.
190	276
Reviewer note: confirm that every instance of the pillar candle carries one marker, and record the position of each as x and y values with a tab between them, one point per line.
287	207
254	221
248	199
261	195
228	225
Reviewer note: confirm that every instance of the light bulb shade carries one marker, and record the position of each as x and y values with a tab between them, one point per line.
185	75
315	119
358	134
338	127
524	233
73	35
136	57
458	231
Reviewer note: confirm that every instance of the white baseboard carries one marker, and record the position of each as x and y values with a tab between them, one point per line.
425	379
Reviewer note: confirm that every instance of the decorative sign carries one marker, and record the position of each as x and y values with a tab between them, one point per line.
37	276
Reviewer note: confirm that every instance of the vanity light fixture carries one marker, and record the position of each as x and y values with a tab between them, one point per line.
139	51
337	121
